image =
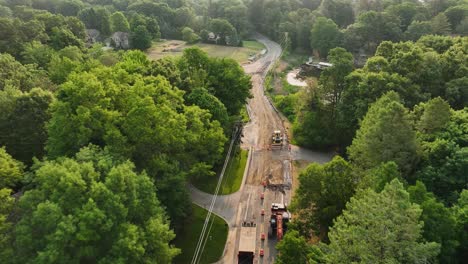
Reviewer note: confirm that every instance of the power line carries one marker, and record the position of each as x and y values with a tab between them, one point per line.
197	253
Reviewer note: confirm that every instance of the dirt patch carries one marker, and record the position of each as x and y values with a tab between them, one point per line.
275	173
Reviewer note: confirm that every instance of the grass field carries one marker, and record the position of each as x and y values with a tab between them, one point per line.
175	48
187	240
232	178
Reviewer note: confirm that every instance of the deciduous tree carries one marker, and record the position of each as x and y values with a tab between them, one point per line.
92	209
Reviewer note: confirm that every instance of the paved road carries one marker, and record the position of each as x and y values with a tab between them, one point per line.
246	205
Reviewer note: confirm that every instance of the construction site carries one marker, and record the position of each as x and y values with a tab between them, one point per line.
258	214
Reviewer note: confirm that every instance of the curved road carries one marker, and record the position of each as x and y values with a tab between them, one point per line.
246	205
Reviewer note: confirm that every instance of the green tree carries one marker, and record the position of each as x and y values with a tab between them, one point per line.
7	202
92	209
119	22
226	32
202	98
11	171
229	83
14	74
444	149
22	122
460	211
386	134
376	178
456	14
323	193
456	92
440	25
435	116
96	18
140	38
406	11
339	11
293	249
325	35
143	119
222	77
418	29
374	27
183	17
439	222
380	228
37	53
189	35
363	87
332	80
69	7
62	37
462	28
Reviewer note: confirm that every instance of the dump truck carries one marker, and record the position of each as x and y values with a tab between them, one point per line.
247	243
280	217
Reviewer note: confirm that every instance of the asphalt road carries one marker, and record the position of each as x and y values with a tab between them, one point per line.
246	204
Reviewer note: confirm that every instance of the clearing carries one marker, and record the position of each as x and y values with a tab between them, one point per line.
175	48
232	177
187	239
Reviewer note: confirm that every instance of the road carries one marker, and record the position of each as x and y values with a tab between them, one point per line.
246	205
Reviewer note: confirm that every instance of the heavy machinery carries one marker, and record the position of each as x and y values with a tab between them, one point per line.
277	139
247	243
280	217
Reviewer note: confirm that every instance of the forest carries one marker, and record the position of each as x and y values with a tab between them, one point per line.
98	142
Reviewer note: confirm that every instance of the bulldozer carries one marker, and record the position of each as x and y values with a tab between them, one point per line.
277	139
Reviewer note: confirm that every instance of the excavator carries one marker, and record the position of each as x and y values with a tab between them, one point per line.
280	217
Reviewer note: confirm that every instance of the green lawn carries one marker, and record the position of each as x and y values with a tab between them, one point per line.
188	238
175	47
232	177
252	44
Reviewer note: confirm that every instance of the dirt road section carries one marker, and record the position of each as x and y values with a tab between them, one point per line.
265	163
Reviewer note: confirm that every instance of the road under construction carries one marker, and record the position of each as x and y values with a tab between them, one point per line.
268	181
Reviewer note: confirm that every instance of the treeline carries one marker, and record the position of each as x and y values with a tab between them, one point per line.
97	148
134	24
358	26
328	113
401	122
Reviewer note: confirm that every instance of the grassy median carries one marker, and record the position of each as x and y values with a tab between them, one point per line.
232	177
188	238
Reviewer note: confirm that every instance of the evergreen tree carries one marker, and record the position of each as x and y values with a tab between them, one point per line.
380	228
386	134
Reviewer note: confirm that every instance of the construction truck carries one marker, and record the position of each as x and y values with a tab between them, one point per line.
247	243
280	217
277	139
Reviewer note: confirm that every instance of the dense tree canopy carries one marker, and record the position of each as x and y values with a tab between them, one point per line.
323	193
128	114
380	228
92	209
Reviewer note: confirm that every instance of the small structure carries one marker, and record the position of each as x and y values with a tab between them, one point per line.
323	65
212	37
120	40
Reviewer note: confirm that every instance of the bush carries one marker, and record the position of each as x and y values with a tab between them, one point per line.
189	35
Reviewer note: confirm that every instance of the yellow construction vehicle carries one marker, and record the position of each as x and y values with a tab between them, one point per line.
277	138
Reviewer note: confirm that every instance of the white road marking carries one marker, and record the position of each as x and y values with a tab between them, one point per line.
247	209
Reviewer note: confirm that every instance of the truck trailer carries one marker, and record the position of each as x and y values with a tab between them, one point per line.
247	243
